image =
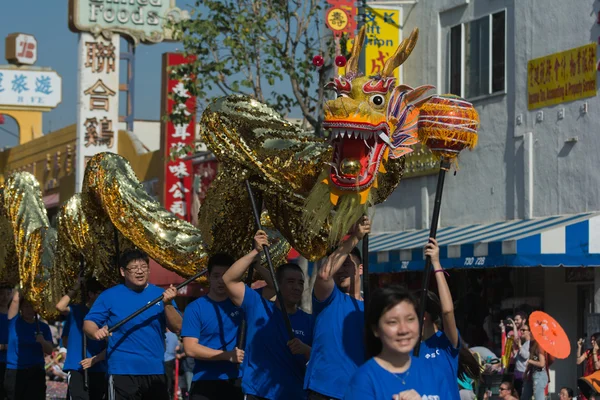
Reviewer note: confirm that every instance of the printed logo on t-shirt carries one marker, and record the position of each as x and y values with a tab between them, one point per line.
433	355
425	397
298	332
234	314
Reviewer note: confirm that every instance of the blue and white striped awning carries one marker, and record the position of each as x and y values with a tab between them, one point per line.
566	240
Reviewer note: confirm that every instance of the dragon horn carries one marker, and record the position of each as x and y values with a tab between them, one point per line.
401	54
352	65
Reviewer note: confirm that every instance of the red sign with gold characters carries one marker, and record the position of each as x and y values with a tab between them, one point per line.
341	17
178	170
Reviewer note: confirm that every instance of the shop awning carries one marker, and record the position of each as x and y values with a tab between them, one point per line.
566	240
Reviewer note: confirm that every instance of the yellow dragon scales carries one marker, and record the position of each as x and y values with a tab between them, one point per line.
312	190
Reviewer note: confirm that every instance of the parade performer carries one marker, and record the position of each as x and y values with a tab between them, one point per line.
96	350
210	331
392	372
338	309
136	350
28	341
273	365
536	376
5	299
441	349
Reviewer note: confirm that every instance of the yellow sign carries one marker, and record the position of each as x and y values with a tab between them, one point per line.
383	38
562	77
337	19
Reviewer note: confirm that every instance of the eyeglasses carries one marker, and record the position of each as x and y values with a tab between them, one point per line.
143	268
504	388
524	330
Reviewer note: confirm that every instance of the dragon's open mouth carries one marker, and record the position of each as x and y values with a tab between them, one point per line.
357	152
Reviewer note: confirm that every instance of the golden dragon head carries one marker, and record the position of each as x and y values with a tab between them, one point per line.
372	122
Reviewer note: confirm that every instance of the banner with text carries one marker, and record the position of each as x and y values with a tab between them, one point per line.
178	170
383	37
561	77
98	99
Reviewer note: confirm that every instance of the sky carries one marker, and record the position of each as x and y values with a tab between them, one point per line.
47	20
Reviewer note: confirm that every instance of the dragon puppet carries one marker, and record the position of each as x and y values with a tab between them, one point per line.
312	190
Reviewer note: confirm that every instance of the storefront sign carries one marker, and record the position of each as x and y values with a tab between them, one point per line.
142	20
561	77
98	89
28	88
383	38
21	49
178	170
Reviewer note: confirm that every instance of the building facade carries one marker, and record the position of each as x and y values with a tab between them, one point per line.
533	161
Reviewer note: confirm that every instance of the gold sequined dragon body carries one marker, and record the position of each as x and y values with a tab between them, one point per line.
312	190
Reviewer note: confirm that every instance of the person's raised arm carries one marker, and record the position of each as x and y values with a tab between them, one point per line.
432	250
174	319
63	304
580	357
268	292
233	277
324	283
194	349
13	309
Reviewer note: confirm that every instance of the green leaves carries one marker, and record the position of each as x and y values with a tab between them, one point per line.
262	48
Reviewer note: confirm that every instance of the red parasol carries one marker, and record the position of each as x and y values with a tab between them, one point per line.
550	336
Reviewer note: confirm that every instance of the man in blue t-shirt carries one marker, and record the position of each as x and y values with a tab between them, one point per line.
93	362
210	331
5	297
136	350
338	309
273	365
440	349
29	339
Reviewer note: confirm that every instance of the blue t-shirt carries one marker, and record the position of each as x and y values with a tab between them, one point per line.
171	343
441	358
75	342
270	370
215	325
3	336
23	350
138	347
338	348
373	382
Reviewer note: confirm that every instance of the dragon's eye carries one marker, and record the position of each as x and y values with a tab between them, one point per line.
377	100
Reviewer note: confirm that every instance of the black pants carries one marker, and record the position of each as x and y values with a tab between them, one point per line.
215	390
137	387
169	373
25	384
96	386
2	372
318	396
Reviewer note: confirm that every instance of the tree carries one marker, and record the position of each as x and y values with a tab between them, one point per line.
252	46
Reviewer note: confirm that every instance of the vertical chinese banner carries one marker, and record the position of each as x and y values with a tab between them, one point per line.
98	99
383	37
177	104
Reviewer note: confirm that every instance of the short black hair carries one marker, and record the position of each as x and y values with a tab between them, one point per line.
93	286
356	253
287	267
130	255
433	306
522	314
569	391
219	260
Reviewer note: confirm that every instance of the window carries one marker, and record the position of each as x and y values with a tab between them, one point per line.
477	56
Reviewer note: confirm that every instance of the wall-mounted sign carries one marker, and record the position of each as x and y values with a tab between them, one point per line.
179	171
98	88
21	49
29	88
383	37
142	20
561	77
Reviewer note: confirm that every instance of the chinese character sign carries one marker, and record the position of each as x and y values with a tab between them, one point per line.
21	49
341	17
383	38
24	88
562	77
178	171
98	105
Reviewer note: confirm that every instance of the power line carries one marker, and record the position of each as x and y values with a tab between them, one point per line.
9	132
